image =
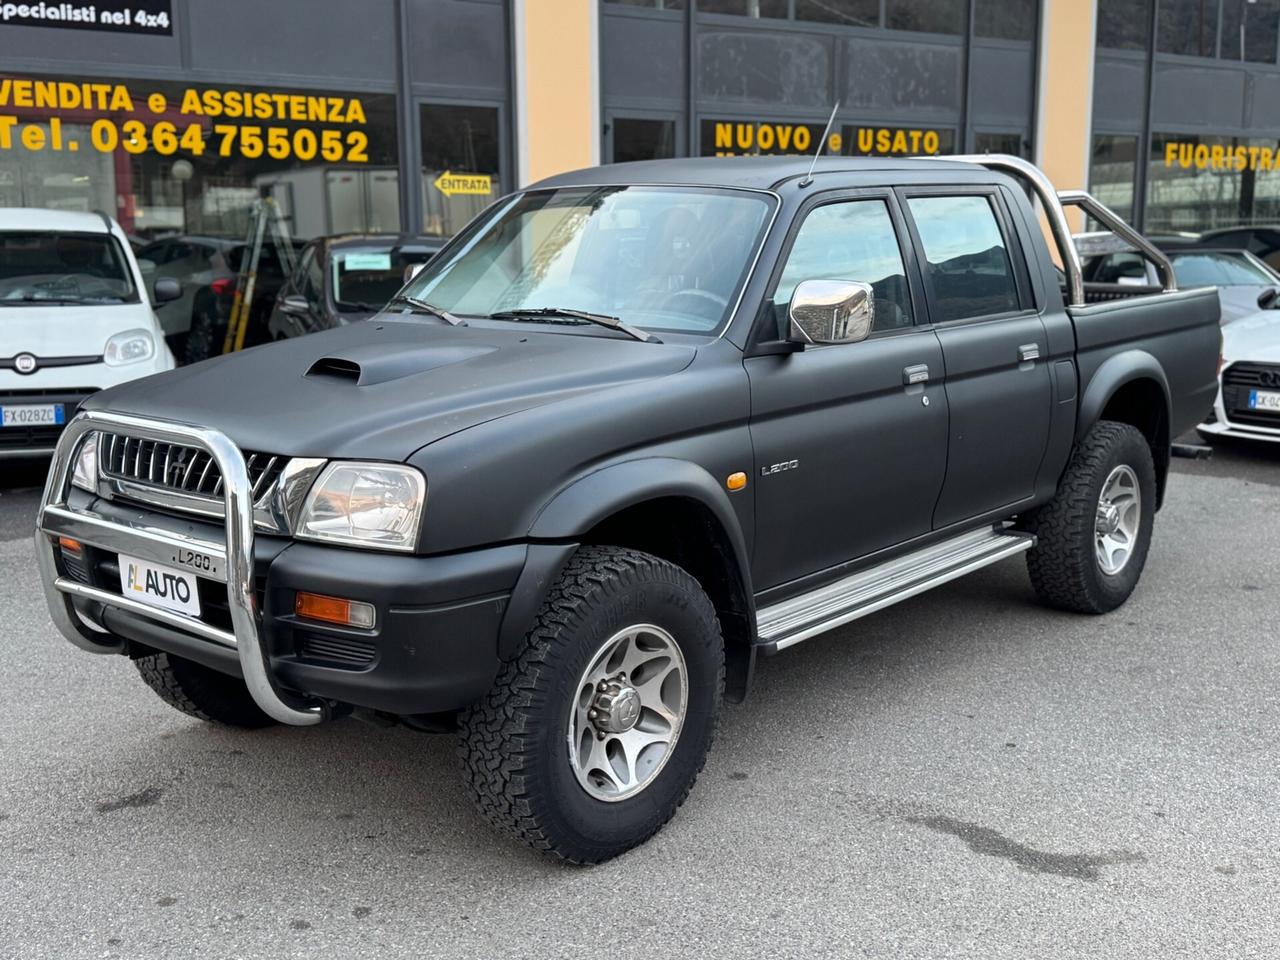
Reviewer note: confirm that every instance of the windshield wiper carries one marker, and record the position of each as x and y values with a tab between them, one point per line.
424	307
613	323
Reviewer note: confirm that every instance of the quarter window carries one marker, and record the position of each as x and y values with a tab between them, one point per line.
965	257
853	240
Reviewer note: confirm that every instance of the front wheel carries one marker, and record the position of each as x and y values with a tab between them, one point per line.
1093	537
594	732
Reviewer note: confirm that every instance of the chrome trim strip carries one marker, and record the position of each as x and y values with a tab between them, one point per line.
26	452
239	526
135	539
786	623
105	597
111	487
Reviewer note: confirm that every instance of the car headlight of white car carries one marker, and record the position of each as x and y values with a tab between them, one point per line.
84	473
131	346
377	505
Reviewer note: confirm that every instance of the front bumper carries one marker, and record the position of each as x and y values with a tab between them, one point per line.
1226	420
433	648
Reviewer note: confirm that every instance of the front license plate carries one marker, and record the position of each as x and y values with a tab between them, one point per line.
159	586
33	415
1264	400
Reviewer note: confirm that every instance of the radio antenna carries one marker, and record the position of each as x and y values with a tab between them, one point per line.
808	177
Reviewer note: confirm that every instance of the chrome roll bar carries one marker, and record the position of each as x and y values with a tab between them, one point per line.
232	561
1053	202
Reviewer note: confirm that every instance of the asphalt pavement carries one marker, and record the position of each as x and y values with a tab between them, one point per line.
964	775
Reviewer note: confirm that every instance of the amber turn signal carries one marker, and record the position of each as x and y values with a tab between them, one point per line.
71	546
736	481
347	613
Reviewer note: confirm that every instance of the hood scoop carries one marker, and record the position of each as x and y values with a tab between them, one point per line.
370	364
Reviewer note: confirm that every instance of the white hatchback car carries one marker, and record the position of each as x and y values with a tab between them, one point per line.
1248	404
75	317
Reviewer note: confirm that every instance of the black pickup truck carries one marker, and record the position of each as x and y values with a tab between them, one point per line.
632	427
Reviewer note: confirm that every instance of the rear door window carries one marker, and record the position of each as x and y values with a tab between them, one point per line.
965	259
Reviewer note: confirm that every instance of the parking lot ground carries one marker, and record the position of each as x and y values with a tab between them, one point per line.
967	774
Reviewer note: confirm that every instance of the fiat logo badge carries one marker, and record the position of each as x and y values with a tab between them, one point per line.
25	363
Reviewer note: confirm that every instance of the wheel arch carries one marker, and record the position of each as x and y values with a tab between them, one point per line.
672	509
1131	387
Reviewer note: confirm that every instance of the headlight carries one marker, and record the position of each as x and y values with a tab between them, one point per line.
374	505
129	347
85	472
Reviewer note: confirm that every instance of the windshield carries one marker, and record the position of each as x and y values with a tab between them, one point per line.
658	257
62	268
1218	270
367	278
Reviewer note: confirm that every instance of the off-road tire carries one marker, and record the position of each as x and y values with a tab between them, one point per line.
201	692
513	742
1063	565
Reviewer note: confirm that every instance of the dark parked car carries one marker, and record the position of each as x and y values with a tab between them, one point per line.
635	426
1263	241
343	279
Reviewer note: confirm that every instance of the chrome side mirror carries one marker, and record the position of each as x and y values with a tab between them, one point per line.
831	311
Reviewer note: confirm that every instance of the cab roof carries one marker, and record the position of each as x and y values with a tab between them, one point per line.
759	173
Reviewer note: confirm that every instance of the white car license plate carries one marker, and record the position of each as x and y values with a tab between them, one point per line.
1264	400
159	586
32	415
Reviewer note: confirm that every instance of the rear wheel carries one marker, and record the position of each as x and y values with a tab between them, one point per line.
1093	537
201	692
594	732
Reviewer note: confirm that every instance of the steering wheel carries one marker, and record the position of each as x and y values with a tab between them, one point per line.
703	298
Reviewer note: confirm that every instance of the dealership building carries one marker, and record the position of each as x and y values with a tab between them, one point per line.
174	116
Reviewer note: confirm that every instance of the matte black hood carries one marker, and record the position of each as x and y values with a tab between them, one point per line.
381	390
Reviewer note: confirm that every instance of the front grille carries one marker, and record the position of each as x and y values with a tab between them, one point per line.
40	437
1237	382
172	466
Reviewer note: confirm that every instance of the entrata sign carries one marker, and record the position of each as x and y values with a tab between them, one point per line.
464	184
154	17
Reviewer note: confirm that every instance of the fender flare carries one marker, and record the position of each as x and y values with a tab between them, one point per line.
1115	372
585	502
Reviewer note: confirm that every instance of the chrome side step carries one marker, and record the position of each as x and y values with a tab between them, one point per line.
790	621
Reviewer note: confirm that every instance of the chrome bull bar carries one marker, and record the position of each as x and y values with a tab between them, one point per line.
232	561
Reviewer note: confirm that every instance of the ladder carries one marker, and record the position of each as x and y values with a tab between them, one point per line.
265	223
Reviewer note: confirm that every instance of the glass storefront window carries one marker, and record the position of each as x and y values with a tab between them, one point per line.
1200	183
1250	30
1188	27
1014	144
1005	19
651	4
1113	170
638	139
927	16
775	9
1124	24
851	13
461	164
175	158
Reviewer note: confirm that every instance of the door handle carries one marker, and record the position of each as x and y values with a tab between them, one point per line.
916	373
1028	351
